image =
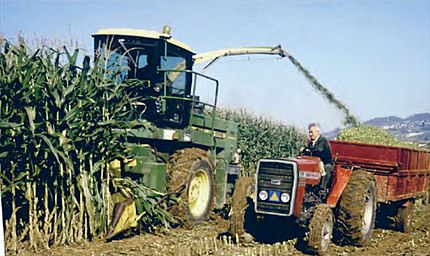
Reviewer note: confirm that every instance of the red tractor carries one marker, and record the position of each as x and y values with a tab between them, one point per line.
368	180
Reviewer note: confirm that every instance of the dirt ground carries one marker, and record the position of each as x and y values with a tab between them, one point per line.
208	239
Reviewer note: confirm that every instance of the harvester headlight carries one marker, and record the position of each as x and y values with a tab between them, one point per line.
285	197
263	195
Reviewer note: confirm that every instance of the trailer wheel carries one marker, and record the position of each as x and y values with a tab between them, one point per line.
243	217
357	209
426	197
404	217
190	174
320	229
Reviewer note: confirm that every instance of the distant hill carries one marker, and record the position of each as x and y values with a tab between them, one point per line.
331	135
414	128
418	117
380	121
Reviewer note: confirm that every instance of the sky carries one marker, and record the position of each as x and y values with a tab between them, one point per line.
373	55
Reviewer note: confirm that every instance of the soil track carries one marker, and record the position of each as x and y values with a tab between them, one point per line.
207	239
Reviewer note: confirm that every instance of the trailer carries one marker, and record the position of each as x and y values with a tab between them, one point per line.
371	185
401	173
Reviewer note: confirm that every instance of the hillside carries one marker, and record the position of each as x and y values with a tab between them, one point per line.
415	128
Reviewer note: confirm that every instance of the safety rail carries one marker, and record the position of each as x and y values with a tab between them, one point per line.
193	100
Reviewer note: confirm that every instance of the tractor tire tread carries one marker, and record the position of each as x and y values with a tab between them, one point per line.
319	215
243	187
351	209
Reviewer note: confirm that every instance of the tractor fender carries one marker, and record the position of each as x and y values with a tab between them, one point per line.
340	180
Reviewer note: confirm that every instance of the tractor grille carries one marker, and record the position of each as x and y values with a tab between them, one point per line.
276	177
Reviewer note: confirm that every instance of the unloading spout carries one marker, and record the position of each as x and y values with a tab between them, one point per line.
213	56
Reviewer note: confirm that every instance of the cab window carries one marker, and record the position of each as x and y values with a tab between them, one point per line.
176	80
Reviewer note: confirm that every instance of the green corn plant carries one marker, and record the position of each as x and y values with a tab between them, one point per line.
60	125
261	137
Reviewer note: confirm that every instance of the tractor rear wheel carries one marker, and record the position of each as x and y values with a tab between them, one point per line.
357	209
190	174
320	229
243	217
403	218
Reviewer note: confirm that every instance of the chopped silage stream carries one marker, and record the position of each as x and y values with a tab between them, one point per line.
208	239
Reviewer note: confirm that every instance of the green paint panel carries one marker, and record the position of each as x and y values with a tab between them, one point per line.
156	178
153	174
144	163
202	138
219	124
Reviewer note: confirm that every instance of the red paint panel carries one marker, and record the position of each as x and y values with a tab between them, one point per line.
413	161
308	164
392	187
405	160
372	154
406	184
382	186
340	180
423	161
380	157
421	182
299	200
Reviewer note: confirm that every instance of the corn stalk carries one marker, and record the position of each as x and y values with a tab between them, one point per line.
261	137
60	126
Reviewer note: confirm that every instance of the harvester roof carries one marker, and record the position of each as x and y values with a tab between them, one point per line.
141	33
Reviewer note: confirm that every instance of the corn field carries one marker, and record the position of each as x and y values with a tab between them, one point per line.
261	137
59	129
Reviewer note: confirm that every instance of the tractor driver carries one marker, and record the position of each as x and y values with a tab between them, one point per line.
320	147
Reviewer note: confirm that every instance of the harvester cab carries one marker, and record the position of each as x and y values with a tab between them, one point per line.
159	64
164	68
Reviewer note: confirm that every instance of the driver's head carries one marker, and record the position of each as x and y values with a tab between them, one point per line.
314	130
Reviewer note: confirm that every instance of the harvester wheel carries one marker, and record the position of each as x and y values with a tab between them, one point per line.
243	217
357	209
320	229
190	174
403	218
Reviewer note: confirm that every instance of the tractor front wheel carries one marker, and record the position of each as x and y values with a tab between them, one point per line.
243	217
320	229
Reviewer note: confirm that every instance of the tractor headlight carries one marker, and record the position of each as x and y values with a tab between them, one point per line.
285	197
263	195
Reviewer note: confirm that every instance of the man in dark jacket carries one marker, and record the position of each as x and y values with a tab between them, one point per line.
320	147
